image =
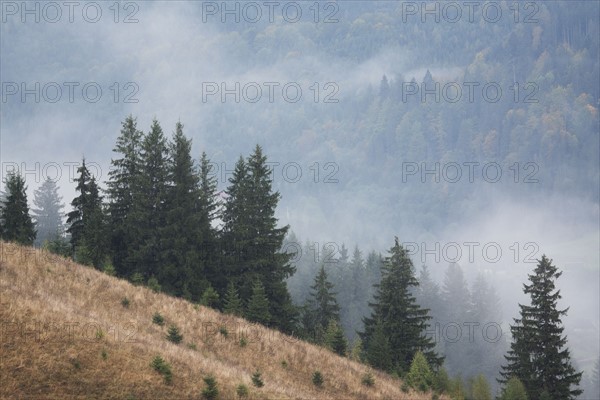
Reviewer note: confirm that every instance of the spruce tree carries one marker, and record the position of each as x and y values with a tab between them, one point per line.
95	241
80	205
335	339
455	312
87	221
148	217
208	211
182	270
480	388
485	356
514	390
252	240
420	377
48	212
538	355
325	306
258	305
17	225
124	174
232	303
403	321
377	350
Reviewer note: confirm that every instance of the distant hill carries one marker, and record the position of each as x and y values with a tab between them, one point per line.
69	331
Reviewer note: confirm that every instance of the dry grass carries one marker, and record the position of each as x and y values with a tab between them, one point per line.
65	334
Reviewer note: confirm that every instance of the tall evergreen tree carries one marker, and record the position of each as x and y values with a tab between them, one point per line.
404	322
252	241
485	356
182	270
47	214
95	243
87	221
17	225
538	356
80	205
149	209
324	305
124	174
455	312
208	211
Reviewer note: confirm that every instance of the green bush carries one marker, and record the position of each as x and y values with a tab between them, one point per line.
514	390
109	269
125	302
420	376
317	379
137	279
174	335
104	354
163	368
257	379
441	381
284	364
158	319
210	391
154	285
243	341
480	388
368	379
210	298
404	388
242	390
192	346
223	331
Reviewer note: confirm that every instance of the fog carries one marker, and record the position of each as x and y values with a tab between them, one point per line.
169	57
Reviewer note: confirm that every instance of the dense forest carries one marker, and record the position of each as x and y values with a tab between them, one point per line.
161	222
410	125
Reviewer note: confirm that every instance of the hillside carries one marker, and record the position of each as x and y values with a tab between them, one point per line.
67	334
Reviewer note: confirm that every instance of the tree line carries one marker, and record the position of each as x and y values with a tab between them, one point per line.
162	222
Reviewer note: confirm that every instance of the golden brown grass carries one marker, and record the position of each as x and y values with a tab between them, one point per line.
65	334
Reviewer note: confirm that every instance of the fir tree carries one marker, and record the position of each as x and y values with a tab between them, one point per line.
148	216
47	214
258	305
538	356
182	270
403	321
81	206
484	356
210	298
252	241
335	339
17	225
325	307
124	175
232	303
94	242
87	221
480	389
420	376
378	350
514	390
208	209
455	312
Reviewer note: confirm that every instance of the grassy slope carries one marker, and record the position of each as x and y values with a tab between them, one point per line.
52	310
